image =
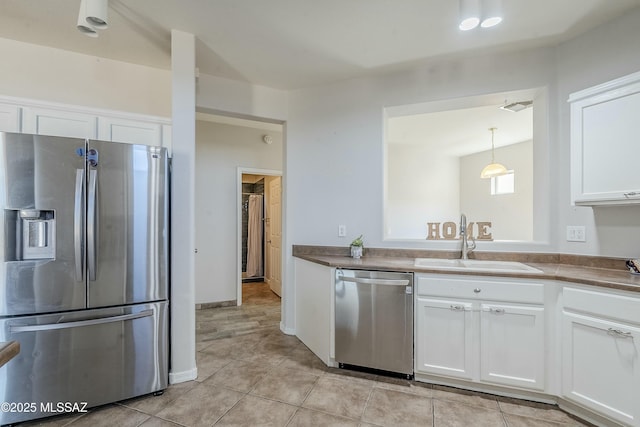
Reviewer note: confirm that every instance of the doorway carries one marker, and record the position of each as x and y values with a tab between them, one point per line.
253	228
260	234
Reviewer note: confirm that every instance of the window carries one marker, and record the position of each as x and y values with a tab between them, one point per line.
503	184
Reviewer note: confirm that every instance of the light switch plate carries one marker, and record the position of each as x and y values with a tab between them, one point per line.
342	231
576	233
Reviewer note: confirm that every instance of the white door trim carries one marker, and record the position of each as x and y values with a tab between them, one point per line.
240	171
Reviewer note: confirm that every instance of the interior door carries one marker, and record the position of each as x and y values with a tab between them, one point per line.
127	224
274	236
41	192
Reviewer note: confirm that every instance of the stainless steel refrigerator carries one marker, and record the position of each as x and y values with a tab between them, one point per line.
83	272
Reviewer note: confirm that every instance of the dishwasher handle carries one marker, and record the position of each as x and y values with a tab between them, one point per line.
386	282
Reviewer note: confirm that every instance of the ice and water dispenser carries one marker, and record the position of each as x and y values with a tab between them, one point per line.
38	234
35	234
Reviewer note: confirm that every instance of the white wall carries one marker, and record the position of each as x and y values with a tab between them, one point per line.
334	127
511	214
56	75
242	99
335	139
422	186
220	150
603	54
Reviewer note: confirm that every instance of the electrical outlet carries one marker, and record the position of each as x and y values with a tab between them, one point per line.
342	231
576	233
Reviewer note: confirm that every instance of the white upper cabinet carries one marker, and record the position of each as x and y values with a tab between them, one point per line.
605	138
54	122
130	131
9	118
42	118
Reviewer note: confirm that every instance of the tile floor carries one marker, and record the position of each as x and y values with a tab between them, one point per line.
250	374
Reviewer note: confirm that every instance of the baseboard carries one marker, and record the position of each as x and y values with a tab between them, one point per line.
217	304
184	376
586	414
536	396
288	331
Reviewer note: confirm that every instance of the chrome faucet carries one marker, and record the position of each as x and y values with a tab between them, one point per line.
466	247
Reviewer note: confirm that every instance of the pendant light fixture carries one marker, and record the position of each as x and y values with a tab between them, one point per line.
493	169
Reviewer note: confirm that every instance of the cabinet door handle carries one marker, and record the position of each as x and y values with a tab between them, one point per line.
631	194
477	290
457	307
619	334
497	310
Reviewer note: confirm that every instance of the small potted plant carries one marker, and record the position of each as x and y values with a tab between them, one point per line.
356	247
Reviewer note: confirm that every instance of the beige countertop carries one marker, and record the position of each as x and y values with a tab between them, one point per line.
8	350
613	278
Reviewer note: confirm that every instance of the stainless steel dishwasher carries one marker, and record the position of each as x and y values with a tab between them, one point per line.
374	320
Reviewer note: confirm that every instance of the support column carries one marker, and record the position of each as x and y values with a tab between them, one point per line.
183	324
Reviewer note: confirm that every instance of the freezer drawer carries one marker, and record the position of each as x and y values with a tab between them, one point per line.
374	320
93	356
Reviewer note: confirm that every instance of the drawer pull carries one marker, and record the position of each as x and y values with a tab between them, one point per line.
631	194
619	334
477	290
497	310
457	307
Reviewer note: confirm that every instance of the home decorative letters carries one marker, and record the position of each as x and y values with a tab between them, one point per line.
449	231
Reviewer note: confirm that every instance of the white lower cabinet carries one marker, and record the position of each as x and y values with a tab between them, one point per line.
444	337
601	354
512	350
488	341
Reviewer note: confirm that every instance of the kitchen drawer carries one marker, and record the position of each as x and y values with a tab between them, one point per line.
604	304
475	288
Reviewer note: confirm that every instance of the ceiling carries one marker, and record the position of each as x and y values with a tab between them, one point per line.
289	44
442	131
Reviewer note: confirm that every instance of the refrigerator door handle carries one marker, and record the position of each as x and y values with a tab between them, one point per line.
91	225
88	322
78	225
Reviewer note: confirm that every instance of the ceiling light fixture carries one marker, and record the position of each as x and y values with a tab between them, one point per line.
97	13
83	26
93	16
493	169
469	14
514	107
491	13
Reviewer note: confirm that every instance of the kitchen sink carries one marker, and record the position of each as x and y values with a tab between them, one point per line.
475	265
